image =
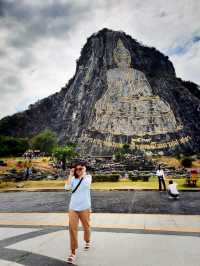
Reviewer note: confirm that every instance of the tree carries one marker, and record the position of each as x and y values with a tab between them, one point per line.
65	154
126	148
45	141
119	156
120	153
13	146
186	162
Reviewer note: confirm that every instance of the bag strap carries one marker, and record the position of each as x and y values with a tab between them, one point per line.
77	185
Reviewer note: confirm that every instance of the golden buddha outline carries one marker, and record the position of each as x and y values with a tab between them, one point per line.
128	106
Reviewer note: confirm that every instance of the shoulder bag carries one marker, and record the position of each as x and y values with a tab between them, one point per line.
77	185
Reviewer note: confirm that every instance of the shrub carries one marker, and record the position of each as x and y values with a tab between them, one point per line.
145	178
186	162
132	177
126	148
13	170
119	156
115	173
178	156
2	163
13	146
105	177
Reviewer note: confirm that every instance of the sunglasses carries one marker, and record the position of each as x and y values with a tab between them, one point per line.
79	168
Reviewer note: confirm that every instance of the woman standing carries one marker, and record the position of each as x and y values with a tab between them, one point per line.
79	207
161	178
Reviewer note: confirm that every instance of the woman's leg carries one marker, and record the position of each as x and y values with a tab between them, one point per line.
163	182
85	220
173	195
73	230
159	181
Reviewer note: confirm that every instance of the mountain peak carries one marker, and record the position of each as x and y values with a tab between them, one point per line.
122	92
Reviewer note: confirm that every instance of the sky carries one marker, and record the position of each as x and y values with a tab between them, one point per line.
40	41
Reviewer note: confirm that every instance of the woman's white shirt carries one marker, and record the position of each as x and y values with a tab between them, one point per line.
160	173
81	198
172	188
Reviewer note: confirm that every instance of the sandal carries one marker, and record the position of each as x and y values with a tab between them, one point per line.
87	245
71	259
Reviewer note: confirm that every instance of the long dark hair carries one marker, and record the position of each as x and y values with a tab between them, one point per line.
75	174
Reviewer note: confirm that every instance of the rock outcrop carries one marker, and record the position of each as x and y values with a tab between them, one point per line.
122	92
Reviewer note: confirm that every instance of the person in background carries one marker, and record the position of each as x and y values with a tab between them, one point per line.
161	178
27	168
194	176
172	190
79	207
30	166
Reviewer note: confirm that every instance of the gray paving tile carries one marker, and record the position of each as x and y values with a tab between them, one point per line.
117	249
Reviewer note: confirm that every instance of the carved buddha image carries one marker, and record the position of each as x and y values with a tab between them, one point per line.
128	106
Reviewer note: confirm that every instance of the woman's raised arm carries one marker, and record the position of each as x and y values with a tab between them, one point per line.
69	179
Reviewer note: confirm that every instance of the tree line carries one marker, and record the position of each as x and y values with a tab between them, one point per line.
46	141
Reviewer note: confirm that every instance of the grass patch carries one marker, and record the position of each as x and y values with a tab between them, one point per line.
122	184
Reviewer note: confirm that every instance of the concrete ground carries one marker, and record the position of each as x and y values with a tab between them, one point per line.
117	239
129	228
103	201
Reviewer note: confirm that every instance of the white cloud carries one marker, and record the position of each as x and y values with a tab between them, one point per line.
40	41
188	65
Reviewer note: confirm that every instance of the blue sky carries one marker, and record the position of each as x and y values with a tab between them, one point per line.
41	40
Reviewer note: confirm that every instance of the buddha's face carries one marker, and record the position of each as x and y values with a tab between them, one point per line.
123	60
121	55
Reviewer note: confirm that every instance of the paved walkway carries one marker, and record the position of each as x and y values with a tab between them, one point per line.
103	202
148	222
117	239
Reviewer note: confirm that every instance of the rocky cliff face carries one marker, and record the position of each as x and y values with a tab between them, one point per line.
122	92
